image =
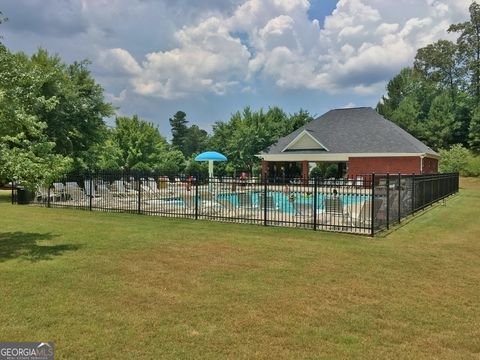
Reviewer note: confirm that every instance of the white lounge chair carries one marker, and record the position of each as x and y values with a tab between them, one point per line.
152	184
74	192
103	191
89	188
245	200
147	192
41	195
333	205
303	209
118	188
59	189
205	203
362	216
268	201
333	212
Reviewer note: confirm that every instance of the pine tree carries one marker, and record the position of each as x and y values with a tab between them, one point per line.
441	124
474	131
179	127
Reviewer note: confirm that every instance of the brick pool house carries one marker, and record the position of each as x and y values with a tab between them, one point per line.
359	140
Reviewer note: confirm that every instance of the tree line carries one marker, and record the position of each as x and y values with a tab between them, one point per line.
52	121
52	117
437	99
134	144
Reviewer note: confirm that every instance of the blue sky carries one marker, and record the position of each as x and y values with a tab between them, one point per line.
213	58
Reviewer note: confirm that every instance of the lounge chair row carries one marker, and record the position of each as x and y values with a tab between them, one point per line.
70	190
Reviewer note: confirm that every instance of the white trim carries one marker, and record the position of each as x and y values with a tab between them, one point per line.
433	156
335	156
299	136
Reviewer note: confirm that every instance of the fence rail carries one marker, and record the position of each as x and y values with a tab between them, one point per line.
365	205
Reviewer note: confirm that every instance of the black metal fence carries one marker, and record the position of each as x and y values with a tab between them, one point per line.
364	205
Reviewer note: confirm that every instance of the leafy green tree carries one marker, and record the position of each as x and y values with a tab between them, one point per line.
133	144
196	141
249	132
408	83
221	136
438	63
76	123
172	162
468	44
416	97
107	155
295	121
199	168
26	152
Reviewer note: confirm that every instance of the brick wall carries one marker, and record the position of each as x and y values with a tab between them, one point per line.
383	165
430	166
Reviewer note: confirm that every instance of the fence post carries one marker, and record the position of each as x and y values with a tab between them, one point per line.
265	204
196	196
90	185
431	191
372	215
13	187
399	197
388	201
315	203
413	193
424	195
139	209
48	196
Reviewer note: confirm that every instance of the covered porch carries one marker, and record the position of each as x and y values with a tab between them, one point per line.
284	170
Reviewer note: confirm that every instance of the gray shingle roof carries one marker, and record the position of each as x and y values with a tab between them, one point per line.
355	130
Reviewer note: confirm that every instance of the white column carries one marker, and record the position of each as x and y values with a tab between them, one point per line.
210	168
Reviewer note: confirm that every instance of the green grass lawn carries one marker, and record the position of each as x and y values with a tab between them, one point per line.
104	286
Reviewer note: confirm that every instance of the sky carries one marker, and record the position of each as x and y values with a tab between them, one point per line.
213	58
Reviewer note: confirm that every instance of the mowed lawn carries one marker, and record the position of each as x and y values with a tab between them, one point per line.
119	286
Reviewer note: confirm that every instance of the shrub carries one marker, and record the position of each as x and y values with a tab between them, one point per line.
331	171
473	167
461	160
324	170
455	159
316	172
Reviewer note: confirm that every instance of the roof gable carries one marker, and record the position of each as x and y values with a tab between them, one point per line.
305	141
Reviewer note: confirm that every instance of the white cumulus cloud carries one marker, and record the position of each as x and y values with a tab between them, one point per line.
361	45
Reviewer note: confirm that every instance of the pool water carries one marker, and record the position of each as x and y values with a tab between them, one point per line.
283	201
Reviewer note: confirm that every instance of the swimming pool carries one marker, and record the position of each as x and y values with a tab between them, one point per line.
283	202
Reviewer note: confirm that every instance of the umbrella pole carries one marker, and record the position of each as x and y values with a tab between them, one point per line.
210	168
210	175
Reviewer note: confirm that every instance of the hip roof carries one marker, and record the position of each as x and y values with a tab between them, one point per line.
353	130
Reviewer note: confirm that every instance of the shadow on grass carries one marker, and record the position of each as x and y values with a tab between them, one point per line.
24	245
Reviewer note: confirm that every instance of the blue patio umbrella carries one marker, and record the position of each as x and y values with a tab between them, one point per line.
210	156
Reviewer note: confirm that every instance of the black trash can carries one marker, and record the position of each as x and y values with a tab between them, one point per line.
24	196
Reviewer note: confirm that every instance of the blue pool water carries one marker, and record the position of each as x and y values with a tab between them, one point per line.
283	201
